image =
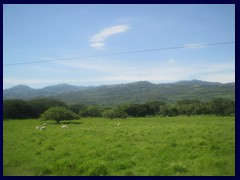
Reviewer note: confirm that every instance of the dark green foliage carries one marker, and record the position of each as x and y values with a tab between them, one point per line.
219	106
120	114
154	107
91	111
108	114
222	107
19	109
189	106
41	105
168	110
58	114
111	114
130	109
76	108
142	110
16	109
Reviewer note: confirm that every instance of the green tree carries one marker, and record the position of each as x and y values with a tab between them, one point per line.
16	109
108	114
41	105
168	110
120	114
221	106
188	106
58	114
130	109
111	114
142	110
76	108
91	111
154	107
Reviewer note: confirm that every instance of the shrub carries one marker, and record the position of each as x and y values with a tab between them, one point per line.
41	105
108	114
58	114
16	109
114	114
91	111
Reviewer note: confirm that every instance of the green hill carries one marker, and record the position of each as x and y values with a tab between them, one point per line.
136	92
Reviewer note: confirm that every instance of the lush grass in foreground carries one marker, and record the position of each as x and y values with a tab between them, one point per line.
139	146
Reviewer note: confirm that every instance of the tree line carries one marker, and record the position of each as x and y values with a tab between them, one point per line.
20	109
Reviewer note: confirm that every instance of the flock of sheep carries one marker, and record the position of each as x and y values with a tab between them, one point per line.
44	126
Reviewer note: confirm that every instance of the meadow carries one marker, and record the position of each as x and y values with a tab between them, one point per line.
154	146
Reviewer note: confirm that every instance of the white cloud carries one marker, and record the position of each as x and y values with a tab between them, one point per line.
223	78
217	73
119	68
97	71
98	40
116	70
97	45
95	64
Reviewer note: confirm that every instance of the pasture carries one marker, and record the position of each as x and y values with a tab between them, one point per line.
156	146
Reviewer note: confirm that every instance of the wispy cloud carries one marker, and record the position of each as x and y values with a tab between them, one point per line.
224	78
217	73
116	70
98	40
99	71
95	64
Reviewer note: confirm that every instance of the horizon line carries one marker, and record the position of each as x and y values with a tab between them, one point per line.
119	83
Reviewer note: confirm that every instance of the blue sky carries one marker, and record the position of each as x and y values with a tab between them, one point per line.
49	32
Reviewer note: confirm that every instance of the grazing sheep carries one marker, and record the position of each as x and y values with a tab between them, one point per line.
118	124
37	127
42	128
64	126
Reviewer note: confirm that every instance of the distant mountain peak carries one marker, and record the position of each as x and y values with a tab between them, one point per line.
64	85
137	92
141	82
196	82
59	86
144	82
21	87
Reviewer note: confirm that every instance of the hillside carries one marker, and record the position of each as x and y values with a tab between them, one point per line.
137	92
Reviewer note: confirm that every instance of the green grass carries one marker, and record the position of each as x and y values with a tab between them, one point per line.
159	146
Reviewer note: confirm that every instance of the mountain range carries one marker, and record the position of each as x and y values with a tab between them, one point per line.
136	92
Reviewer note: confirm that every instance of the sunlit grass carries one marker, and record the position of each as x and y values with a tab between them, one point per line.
174	146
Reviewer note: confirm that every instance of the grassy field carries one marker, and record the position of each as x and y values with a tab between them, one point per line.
157	146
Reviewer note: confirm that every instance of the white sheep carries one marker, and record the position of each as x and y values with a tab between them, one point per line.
44	124
64	126
118	124
42	128
37	127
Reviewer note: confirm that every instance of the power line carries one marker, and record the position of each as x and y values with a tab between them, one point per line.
125	52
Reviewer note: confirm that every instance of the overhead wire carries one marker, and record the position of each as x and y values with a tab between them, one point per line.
122	53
